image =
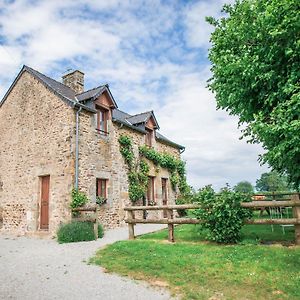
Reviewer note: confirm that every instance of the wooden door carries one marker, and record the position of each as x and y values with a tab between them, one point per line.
164	193
44	218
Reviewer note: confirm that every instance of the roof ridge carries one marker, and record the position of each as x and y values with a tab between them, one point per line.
124	112
97	87
27	67
146	112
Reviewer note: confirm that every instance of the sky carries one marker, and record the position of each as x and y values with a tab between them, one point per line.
154	56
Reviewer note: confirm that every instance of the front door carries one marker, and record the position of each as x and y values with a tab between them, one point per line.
164	193
44	220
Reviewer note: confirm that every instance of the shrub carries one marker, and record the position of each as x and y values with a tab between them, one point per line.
222	213
76	231
100	231
78	199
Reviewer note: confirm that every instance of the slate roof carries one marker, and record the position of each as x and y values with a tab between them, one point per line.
132	121
94	93
90	93
76	100
59	89
140	118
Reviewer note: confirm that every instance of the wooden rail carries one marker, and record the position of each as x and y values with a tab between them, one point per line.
170	220
93	218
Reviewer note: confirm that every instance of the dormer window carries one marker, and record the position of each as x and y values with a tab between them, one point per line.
149	137
102	118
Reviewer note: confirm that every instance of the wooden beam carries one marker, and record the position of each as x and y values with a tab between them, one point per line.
96	225
292	221
92	208
161	207
256	204
296	213
85	219
170	226
131	225
164	221
252	204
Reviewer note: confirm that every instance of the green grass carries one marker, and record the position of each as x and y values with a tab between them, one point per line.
252	234
196	269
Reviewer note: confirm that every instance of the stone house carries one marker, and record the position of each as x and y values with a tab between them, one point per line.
54	136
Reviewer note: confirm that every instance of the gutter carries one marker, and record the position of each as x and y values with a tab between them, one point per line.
77	148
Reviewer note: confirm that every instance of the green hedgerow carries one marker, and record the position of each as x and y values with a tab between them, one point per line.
76	231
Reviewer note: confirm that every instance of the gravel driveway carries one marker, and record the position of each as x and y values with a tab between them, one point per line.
43	269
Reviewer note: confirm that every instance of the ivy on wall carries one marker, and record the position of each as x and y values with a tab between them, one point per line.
138	168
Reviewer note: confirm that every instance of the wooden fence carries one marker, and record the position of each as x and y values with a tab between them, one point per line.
90	218
170	220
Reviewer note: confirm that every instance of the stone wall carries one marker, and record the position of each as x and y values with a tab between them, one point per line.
37	138
100	158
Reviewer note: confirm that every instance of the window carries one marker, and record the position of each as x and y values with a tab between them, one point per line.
150	191
102	118
148	139
101	188
164	191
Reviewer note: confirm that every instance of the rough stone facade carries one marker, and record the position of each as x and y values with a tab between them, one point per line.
100	157
37	130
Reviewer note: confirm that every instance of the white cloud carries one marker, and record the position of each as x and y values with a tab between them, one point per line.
197	29
139	49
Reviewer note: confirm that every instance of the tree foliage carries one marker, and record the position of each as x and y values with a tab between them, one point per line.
255	57
272	182
244	187
222	213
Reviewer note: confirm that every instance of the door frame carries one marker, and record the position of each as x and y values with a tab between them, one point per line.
41	178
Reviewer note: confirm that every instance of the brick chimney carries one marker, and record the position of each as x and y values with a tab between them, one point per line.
74	80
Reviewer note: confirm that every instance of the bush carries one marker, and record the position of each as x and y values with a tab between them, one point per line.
78	199
100	231
77	232
222	213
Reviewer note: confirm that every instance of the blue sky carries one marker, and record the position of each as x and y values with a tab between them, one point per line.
153	54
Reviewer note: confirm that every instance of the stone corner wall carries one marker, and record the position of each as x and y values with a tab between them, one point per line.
37	134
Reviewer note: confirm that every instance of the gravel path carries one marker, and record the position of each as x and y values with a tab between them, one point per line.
43	269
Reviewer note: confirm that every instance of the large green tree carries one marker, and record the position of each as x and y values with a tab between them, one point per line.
255	58
272	182
244	187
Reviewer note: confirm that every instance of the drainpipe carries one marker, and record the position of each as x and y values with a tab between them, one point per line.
77	148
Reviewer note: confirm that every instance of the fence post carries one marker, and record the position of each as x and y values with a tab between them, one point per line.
131	225
170	226
96	225
296	212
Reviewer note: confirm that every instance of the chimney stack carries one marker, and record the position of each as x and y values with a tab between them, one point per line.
74	80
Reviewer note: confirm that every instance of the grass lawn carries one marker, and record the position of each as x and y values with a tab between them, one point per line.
196	269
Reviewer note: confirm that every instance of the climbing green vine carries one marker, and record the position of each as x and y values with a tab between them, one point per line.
176	167
138	168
